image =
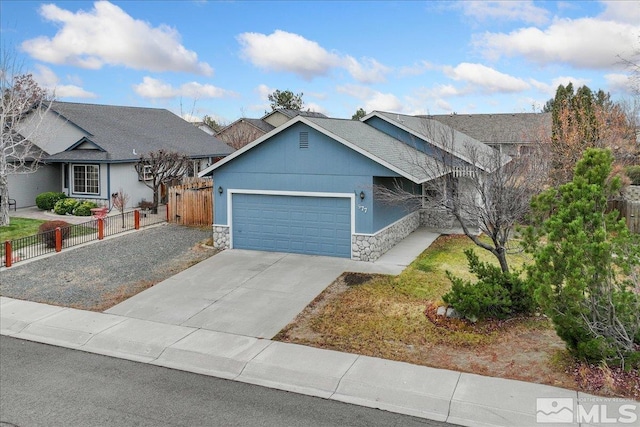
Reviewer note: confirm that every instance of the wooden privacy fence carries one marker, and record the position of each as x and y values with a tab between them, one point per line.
191	202
630	210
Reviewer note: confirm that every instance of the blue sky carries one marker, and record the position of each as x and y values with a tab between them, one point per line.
222	58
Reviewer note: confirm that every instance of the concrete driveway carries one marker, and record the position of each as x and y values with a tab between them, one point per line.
255	293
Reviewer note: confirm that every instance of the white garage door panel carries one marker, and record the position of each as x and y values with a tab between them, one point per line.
300	224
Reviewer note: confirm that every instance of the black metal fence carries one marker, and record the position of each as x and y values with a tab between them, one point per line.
36	245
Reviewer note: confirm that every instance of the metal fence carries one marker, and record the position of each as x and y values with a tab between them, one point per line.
24	248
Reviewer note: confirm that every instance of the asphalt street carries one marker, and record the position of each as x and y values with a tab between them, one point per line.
42	385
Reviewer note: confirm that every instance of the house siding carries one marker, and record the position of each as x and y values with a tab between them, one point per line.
124	175
52	132
24	188
385	213
276	119
280	164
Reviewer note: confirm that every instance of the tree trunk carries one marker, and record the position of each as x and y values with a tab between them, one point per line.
501	254
4	196
156	199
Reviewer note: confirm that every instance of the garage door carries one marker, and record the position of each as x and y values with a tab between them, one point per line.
298	224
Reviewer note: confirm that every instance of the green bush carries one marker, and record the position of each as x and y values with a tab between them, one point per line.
585	264
633	172
47	232
84	208
65	206
495	295
47	201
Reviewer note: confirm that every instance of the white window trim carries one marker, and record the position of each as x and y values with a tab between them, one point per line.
73	179
146	173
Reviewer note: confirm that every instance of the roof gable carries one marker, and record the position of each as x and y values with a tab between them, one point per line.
360	137
443	137
279	116
126	132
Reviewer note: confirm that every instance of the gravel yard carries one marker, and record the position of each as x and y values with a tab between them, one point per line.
100	275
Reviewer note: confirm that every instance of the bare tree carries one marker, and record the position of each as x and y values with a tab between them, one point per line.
484	191
22	100
120	200
161	167
239	134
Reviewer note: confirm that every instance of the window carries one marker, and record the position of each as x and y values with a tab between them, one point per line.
86	179
147	173
526	150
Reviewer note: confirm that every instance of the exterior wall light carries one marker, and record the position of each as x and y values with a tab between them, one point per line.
362	195
220	190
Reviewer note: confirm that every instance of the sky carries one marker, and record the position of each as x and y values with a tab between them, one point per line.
223	58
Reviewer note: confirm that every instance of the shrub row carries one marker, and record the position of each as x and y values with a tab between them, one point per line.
47	201
74	207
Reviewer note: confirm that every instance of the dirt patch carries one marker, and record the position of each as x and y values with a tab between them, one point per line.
525	349
354	279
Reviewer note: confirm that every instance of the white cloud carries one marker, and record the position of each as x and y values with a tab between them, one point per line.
264	91
356	91
485	79
524	11
48	80
586	42
154	89
367	71
384	102
284	51
106	35
415	69
444	105
622	11
549	89
371	99
446	91
618	83
317	108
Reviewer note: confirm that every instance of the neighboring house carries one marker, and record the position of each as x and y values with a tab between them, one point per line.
204	127
309	185
246	130
91	150
243	131
512	134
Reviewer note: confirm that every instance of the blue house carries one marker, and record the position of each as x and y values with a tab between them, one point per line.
309	185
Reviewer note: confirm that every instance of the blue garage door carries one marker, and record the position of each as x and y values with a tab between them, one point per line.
306	225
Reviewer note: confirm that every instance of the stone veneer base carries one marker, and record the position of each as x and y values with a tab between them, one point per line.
367	247
221	238
370	247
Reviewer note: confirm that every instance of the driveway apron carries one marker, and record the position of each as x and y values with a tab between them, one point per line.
249	293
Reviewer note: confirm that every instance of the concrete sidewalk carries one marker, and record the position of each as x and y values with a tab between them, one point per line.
176	330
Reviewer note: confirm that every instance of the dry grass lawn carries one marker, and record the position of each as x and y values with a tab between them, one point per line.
393	317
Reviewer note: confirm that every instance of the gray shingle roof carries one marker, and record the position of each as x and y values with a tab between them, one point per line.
260	124
386	150
294	113
257	123
121	130
500	128
445	137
